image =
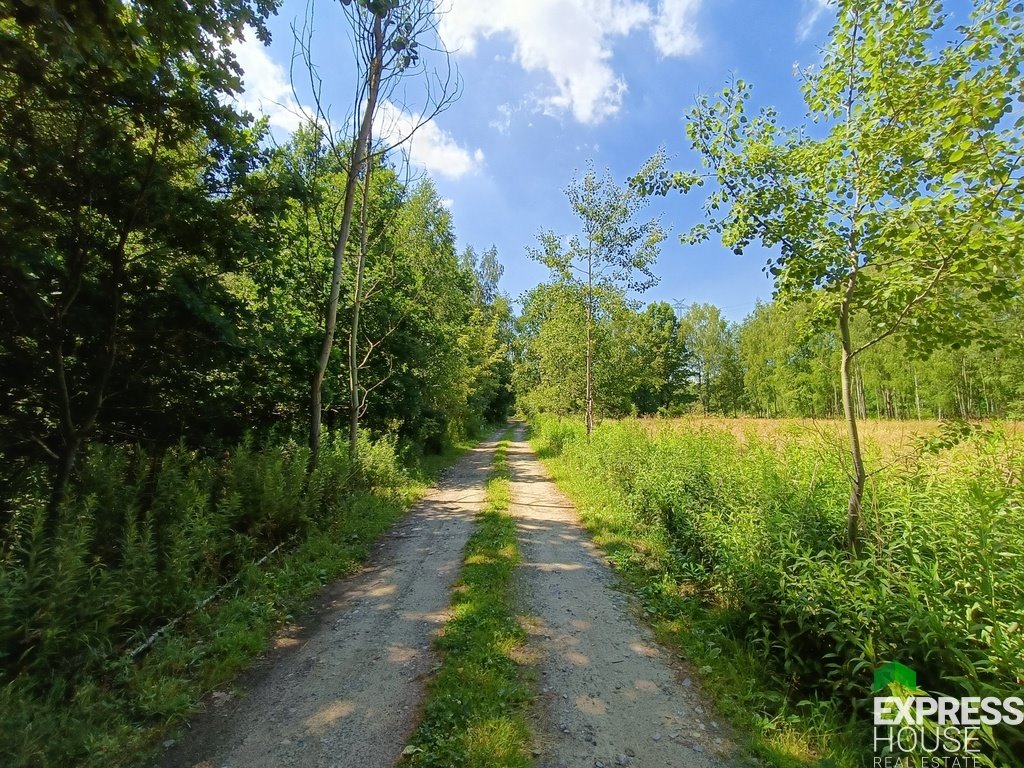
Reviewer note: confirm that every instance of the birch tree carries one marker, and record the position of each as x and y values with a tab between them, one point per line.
900	196
388	38
614	251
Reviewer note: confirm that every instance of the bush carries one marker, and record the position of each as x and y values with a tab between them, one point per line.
756	531
143	540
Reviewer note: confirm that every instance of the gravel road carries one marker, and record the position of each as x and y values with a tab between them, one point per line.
345	691
609	695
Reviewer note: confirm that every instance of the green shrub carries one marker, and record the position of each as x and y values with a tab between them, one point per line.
755	532
143	540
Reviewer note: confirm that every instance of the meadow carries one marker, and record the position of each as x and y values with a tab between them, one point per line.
732	532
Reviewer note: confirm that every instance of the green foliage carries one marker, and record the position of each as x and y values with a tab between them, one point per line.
125	196
640	365
788	370
711	341
145	540
475	715
901	200
898	198
733	545
614	251
614	255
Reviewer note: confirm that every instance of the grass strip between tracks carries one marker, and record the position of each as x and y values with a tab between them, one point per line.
476	709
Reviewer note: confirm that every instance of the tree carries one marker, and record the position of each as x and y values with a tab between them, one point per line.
664	362
122	158
387	36
486	270
788	365
550	358
419	319
712	343
902	199
489	336
615	252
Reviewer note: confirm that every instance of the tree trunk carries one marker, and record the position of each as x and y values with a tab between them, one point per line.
359	152
917	396
66	457
968	394
861	396
353	340
590	342
853	513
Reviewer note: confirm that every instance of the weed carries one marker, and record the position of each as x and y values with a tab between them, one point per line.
144	541
735	544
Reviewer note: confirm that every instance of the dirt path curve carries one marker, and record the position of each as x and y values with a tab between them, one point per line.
609	696
346	694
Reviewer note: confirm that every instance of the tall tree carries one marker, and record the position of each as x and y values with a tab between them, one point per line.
711	341
550	359
905	199
662	359
387	36
615	252
120	152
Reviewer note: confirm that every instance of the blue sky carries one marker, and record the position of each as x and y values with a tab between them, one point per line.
551	84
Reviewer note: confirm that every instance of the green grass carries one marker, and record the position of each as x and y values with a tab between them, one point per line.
475	712
118	711
736	550
734	676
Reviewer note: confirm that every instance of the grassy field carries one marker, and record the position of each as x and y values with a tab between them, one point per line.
883	435
732	533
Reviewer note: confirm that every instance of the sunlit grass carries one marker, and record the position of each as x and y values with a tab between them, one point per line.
475	714
732	534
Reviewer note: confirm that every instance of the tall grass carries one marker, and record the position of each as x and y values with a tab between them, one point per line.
144	541
737	544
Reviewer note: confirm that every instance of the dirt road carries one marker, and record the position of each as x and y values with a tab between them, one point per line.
609	696
345	691
346	694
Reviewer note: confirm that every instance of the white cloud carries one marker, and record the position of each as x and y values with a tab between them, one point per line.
267	90
571	41
503	123
675	28
813	10
432	148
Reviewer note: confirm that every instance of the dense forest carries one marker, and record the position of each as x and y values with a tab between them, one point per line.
218	347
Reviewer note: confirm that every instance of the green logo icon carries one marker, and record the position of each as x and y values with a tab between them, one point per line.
894	672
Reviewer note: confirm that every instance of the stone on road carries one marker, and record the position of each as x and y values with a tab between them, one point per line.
348	693
609	695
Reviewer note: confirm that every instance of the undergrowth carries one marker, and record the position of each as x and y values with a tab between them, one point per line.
144	541
475	713
736	547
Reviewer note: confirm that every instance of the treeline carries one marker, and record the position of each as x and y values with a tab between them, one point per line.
164	270
776	362
165	294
